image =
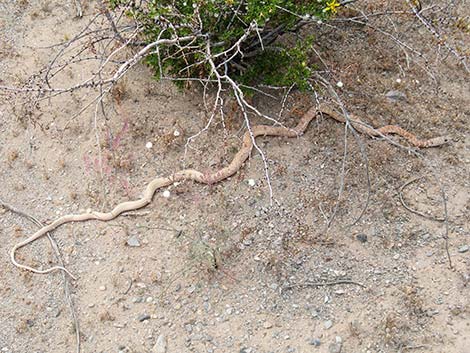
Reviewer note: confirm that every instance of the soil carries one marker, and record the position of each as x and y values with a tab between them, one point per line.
219	268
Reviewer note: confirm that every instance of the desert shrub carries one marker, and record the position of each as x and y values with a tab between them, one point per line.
239	39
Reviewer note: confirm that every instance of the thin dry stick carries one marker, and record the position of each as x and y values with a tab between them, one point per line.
348	127
407	348
65	280
435	33
444	205
446	222
322	284
400	194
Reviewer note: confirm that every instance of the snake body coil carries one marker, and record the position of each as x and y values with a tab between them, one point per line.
217	176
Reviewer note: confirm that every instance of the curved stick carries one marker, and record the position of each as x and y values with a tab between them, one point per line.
217	176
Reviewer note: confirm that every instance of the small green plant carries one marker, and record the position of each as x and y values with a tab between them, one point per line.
240	39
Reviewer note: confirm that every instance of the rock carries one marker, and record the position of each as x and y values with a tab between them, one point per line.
160	345
267	325
191	289
463	248
395	95
133	242
362	238
334	348
315	342
328	324
123	349
143	317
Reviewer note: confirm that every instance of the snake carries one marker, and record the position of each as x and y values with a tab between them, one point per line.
248	142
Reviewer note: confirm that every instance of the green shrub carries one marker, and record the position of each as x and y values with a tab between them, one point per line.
218	25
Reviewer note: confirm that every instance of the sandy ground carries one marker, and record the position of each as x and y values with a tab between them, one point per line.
217	269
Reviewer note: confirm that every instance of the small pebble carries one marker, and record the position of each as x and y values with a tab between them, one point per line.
334	348
143	317
463	248
395	96
315	342
160	345
267	325
149	145
176	133
102	288
339	84
361	237
133	241
166	194
251	182
328	324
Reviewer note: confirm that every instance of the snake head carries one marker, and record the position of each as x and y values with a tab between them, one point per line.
439	141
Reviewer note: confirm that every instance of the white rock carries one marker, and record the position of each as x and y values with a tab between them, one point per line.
251	182
160	345
176	133
339	84
166	194
133	241
149	145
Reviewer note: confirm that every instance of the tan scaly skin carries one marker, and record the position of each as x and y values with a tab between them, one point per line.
217	176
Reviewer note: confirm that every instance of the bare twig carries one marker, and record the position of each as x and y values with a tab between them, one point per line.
435	32
58	255
348	127
322	284
400	194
